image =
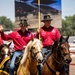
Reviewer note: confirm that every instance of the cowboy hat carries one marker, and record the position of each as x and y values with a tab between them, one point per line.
46	18
23	22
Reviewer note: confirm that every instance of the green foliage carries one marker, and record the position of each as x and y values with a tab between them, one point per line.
68	25
7	24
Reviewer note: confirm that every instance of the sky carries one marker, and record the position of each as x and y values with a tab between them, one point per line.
68	8
7	8
56	5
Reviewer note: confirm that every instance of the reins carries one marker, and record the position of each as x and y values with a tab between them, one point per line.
56	60
54	71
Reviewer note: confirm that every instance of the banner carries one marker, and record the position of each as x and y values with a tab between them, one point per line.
28	9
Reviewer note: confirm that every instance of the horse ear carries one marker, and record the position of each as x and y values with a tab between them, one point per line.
67	37
58	41
9	44
32	39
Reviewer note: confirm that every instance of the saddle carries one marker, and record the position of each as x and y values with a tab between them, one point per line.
17	61
48	52
4	66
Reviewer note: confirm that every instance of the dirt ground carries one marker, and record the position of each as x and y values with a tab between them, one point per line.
72	64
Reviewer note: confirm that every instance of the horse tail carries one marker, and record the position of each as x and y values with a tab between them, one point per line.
26	51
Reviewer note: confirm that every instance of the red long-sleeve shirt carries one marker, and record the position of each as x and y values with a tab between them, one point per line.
48	35
19	38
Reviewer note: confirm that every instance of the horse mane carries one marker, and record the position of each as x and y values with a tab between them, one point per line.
28	47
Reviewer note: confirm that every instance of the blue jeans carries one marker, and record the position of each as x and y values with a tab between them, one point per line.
12	63
44	50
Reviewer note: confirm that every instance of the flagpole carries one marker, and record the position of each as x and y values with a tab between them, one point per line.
39	16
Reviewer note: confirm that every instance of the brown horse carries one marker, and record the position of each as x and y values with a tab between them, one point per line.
54	65
4	57
31	57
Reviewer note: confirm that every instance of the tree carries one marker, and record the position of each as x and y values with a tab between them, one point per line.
68	25
6	22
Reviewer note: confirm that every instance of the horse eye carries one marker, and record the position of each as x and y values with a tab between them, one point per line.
64	54
33	47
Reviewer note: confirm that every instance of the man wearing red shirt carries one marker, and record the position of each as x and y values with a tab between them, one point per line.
20	38
48	34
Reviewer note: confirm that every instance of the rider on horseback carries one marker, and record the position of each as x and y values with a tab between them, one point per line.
48	34
20	38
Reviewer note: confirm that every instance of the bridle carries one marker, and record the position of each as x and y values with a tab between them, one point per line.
2	52
34	54
64	46
60	49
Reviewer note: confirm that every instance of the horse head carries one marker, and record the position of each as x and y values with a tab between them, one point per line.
35	49
5	50
64	47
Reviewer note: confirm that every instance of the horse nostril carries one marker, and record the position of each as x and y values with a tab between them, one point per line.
68	60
